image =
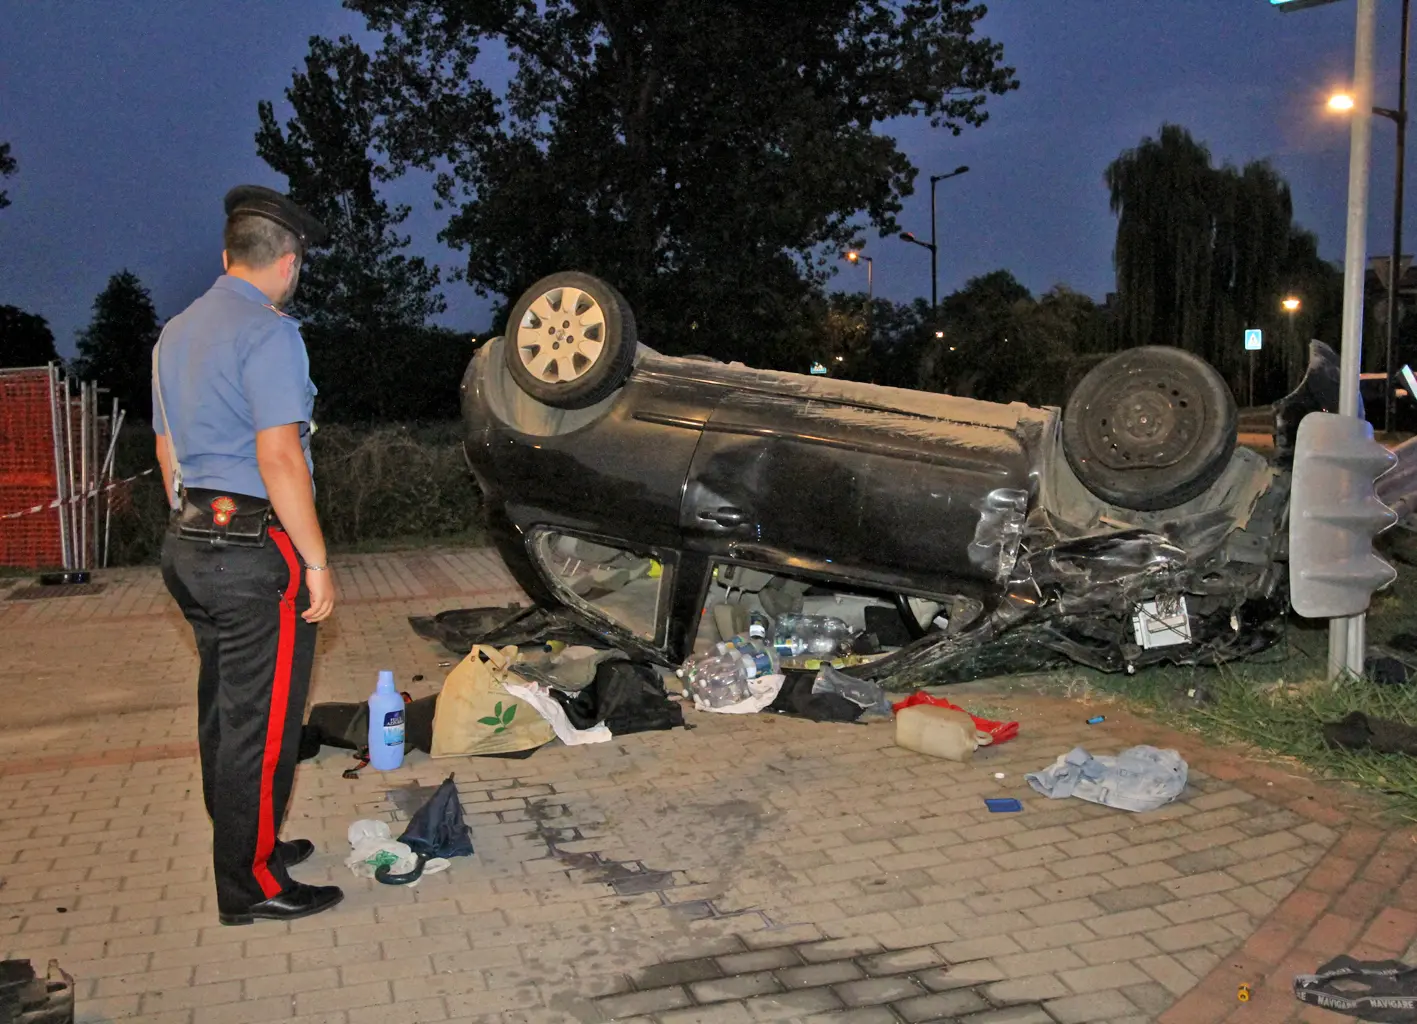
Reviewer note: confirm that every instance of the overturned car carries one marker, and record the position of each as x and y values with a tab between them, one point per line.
632	493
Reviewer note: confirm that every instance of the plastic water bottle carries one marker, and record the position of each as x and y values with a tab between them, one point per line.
809	634
759	659
385	724
718	680
759	625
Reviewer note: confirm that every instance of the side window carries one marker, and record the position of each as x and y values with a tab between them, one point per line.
615	583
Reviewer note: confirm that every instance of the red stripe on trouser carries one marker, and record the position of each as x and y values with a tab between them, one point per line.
275	723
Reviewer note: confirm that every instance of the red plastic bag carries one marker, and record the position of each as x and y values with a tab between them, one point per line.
1001	731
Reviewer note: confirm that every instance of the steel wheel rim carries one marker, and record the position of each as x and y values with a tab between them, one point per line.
1150	422
561	335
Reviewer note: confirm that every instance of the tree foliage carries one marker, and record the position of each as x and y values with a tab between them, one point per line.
1205	252
364	302
702	156
25	339
999	343
115	349
8	166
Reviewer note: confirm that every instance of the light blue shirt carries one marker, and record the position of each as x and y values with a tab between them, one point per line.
231	365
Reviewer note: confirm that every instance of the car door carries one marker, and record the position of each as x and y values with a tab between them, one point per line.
820	484
583	504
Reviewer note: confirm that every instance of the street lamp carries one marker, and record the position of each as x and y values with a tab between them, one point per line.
853	256
934	251
1344	102
909	236
1290	305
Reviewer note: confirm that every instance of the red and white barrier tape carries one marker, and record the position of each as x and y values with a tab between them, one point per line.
75	499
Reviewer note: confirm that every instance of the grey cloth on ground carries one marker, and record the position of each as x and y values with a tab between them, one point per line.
1138	779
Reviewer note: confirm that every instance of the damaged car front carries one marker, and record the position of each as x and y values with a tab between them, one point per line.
635	496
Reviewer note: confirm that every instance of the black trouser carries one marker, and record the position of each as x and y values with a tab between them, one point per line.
244	606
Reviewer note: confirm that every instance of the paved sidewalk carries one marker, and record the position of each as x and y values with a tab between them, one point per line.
751	868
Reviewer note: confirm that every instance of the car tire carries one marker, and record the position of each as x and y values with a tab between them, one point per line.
547	355
1150	428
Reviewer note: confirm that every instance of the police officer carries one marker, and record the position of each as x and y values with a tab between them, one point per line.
245	557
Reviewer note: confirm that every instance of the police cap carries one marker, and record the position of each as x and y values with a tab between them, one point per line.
268	203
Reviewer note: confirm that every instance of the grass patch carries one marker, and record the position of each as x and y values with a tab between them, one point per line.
1280	700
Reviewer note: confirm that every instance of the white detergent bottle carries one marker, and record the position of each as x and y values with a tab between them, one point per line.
385	724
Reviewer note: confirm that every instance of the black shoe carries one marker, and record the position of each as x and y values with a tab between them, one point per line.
299	901
295	851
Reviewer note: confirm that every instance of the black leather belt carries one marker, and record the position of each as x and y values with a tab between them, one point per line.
222	518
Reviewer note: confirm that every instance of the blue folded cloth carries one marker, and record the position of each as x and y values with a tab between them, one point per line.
1138	779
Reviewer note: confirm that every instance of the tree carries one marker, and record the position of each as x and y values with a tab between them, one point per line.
707	158
363	300
115	349
886	351
8	167
1001	344
25	339
1204	252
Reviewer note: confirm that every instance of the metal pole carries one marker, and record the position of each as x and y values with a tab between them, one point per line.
83	494
1394	271
1251	402
98	472
934	268
117	423
1346	642
58	462
870	296
69	475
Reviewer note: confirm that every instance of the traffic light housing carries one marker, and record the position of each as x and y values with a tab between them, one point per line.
1334	514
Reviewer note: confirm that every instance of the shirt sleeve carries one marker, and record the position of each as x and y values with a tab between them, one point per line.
157	407
275	377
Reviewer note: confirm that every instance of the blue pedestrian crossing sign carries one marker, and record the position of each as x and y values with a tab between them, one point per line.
1254	339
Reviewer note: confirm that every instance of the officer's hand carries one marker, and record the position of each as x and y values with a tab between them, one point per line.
322	595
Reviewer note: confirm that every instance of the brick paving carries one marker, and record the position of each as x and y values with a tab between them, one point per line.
750	869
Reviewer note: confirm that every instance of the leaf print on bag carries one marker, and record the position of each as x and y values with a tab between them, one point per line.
500	718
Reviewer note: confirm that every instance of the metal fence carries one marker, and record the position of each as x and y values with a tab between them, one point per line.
56	469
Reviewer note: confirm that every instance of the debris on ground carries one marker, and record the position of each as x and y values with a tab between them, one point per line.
796	699
436	832
1358	731
1000	731
539	698
867	695
939	732
476	715
627	696
1376	990
26	998
1141	778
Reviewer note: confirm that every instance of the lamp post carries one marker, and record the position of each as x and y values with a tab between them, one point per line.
909	236
1345	102
934	249
1290	305
853	256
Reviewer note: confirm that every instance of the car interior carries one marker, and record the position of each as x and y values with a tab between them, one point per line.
621	585
626	587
